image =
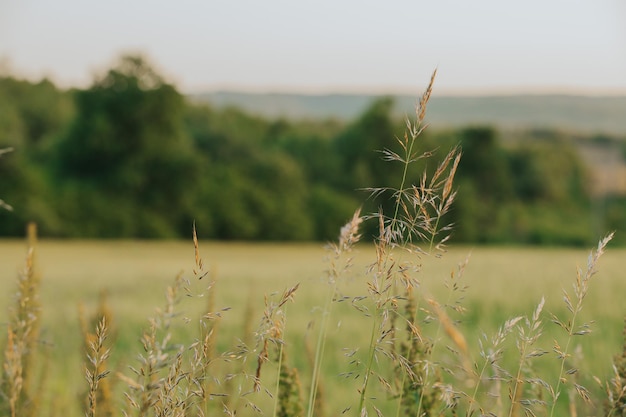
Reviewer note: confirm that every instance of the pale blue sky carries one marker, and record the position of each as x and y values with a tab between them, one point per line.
327	45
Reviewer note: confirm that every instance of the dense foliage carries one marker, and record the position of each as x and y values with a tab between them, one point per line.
131	157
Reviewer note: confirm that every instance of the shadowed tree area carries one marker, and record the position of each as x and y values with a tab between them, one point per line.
131	157
127	156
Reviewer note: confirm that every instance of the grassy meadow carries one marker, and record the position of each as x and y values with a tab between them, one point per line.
401	326
502	282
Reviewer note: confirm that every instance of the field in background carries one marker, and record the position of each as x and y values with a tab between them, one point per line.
503	282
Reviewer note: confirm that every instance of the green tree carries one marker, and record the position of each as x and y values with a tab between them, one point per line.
485	163
3	204
24	187
32	113
485	187
548	172
128	142
360	148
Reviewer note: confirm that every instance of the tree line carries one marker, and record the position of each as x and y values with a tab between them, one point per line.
131	157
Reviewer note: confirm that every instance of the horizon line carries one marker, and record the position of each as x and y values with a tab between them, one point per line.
330	90
447	92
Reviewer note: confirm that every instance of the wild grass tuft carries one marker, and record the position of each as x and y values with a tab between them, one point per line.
340	264
99	388
96	371
616	388
19	388
414	230
572	328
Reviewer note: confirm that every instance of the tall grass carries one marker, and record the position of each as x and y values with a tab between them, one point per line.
19	384
416	358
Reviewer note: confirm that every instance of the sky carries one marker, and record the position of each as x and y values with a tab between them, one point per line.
326	46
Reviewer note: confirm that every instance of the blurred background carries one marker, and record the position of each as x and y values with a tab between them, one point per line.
262	120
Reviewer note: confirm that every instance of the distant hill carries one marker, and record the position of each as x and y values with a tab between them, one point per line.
567	112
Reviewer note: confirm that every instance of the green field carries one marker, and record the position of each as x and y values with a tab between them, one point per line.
503	282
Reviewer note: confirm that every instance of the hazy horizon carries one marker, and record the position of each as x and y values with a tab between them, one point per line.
411	91
364	91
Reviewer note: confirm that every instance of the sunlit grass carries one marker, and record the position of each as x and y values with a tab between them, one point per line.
503	282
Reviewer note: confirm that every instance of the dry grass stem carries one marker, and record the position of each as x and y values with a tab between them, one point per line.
571	327
99	389
23	337
340	264
95	370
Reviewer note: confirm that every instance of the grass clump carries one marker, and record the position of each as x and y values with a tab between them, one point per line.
96	336
96	371
410	356
19	387
417	217
616	387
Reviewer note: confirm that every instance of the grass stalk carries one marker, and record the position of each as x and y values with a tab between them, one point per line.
491	357
95	370
278	379
616	387
571	327
23	337
370	360
319	349
348	237
417	213
528	336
